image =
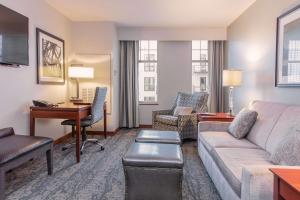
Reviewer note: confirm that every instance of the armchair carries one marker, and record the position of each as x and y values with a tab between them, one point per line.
186	125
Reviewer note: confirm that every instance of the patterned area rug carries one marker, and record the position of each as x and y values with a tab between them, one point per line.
99	175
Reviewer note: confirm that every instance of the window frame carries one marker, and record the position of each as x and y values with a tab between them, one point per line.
155	70
197	62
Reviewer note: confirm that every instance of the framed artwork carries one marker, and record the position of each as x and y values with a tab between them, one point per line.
50	58
288	49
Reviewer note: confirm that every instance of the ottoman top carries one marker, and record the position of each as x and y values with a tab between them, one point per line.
154	155
168	137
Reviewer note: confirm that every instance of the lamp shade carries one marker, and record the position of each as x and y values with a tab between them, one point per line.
232	78
81	72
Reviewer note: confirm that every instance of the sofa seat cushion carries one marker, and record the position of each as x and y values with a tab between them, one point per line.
167	119
220	139
14	146
232	160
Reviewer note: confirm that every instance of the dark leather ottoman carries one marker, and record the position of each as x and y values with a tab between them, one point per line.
17	149
156	136
153	171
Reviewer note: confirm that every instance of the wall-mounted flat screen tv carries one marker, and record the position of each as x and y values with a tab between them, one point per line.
13	37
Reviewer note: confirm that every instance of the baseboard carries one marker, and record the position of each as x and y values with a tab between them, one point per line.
63	138
69	135
145	126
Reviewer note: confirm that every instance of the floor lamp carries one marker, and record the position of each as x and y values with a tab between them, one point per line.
76	72
231	78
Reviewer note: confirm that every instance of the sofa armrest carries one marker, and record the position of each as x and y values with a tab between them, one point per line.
258	180
6	132
213	126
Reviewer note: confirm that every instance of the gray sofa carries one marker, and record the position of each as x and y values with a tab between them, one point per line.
240	168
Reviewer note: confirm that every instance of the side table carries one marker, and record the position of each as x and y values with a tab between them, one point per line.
221	117
286	184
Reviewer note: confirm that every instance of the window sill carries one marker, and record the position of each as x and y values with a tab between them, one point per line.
148	104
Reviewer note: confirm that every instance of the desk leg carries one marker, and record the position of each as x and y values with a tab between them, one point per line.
78	128
32	125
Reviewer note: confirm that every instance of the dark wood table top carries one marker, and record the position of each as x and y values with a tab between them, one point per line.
63	107
215	117
290	176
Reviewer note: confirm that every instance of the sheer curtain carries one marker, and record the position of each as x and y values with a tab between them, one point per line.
129	101
216	62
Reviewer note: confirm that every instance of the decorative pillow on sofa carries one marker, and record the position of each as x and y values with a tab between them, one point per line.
180	110
288	150
242	123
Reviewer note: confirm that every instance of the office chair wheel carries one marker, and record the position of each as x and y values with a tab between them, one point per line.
101	148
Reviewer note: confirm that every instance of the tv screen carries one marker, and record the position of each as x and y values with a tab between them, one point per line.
13	37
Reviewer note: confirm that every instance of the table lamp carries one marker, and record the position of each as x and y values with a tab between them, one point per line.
232	78
79	72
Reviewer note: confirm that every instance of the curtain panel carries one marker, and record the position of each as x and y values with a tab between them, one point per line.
129	100
216	62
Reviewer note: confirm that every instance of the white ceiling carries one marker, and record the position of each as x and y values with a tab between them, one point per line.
158	13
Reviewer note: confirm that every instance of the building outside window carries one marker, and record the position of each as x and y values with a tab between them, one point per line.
147	71
200	66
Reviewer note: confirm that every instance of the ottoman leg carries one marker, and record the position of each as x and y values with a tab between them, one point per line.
2	184
49	154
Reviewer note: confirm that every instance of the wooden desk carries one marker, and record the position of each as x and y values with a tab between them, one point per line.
73	111
220	117
286	184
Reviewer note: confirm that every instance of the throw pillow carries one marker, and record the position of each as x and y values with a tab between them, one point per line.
288	150
197	101
242	123
180	110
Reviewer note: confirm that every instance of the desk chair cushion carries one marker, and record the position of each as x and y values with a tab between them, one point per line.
84	122
15	146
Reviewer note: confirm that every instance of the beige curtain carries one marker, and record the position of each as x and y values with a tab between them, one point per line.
129	100
216	62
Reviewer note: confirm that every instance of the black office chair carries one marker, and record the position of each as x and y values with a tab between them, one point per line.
96	115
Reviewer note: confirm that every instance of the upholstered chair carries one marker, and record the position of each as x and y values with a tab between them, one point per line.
186	125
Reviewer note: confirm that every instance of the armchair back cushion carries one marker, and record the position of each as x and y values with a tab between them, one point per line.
198	101
180	110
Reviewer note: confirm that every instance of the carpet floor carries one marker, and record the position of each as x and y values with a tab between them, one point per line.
99	175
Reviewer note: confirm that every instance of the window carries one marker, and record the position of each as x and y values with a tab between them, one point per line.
199	65
149	84
147	71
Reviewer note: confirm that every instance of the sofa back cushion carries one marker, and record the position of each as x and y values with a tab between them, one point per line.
268	115
287	121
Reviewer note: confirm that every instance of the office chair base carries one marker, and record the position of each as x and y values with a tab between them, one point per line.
95	141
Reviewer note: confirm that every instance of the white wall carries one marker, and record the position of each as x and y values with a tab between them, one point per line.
171	34
174	75
18	85
252	47
99	38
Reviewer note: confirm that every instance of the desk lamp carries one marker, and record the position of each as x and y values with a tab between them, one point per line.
79	72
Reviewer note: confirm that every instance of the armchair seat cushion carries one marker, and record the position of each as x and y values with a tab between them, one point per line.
223	139
231	162
167	119
14	146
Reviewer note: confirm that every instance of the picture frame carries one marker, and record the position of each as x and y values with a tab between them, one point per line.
287	73
50	52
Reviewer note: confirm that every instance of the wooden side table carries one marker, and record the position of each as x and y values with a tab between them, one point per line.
286	184
221	117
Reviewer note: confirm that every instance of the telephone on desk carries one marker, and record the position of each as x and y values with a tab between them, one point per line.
43	103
